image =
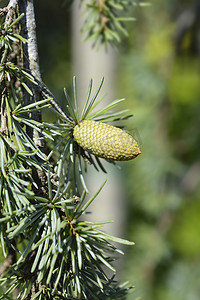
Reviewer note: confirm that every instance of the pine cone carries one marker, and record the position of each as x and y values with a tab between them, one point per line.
105	140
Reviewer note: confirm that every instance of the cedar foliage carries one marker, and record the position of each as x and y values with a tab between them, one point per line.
50	252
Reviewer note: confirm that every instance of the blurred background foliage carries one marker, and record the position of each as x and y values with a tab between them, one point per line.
159	75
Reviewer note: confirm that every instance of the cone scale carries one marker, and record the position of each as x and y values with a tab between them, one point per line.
105	141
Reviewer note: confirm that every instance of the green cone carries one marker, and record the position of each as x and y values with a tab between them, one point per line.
105	141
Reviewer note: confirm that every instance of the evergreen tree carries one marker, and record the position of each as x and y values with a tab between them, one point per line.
50	251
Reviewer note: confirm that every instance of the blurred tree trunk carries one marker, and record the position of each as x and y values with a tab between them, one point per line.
91	63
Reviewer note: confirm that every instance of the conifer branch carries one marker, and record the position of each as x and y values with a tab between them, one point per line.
63	257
